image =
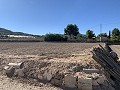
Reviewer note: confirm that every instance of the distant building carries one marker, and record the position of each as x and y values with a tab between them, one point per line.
20	36
102	39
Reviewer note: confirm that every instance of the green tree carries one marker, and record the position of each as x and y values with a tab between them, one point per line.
90	34
103	35
115	35
71	29
115	32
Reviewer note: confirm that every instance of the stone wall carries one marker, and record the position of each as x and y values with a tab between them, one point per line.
62	76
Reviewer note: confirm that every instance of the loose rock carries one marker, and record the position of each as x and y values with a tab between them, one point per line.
10	71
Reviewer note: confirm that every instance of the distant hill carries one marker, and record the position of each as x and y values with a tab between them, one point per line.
4	31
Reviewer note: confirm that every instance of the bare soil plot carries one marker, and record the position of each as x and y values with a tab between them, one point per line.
60	53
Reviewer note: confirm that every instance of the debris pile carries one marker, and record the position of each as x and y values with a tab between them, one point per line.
62	75
72	75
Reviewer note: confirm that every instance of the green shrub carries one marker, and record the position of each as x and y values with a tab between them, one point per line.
55	37
115	39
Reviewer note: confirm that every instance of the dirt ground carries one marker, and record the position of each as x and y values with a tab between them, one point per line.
77	53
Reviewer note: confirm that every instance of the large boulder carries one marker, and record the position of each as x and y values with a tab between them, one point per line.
84	83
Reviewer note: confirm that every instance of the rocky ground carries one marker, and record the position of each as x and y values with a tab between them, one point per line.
62	56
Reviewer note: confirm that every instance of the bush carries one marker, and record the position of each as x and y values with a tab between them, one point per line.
55	37
115	39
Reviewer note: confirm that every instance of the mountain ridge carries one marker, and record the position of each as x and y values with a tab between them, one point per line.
4	31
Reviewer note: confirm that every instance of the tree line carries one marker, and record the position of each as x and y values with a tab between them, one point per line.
72	32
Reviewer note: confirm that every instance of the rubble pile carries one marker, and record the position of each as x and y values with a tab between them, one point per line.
69	75
60	74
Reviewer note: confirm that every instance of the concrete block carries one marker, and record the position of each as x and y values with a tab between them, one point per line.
6	67
47	76
84	83
57	79
77	68
94	82
10	71
52	81
20	72
101	79
40	76
56	82
70	81
35	75
106	83
16	65
90	71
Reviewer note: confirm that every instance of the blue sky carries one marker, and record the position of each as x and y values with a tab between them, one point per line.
52	16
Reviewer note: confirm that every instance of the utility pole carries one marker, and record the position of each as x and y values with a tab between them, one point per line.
100	32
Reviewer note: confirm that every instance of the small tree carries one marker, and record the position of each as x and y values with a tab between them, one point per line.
71	29
116	35
115	32
90	34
